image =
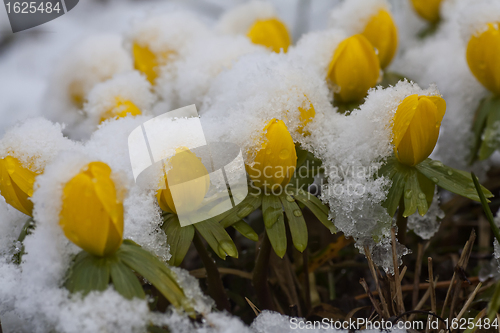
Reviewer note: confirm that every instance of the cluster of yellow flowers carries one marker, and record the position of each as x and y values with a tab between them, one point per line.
92	210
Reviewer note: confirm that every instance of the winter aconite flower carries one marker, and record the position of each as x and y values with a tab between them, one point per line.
353	69
186	180
382	33
416	127
122	109
16	184
148	62
307	114
92	212
276	160
427	9
483	57
271	33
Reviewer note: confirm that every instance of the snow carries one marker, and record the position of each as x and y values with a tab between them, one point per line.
238	87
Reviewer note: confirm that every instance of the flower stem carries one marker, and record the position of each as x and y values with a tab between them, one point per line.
401	222
214	281
259	277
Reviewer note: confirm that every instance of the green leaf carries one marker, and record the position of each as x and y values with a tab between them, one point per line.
398	173
391	78
308	166
484	108
494	304
88	273
243	209
450	179
125	281
179	238
155	329
296	222
492	128
243	228
315	206
217	238
486	208
271	209
274	222
156	272
428	187
417	192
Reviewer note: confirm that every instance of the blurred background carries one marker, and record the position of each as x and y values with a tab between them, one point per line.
27	58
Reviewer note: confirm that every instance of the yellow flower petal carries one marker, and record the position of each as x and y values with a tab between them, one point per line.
271	33
483	57
354	69
16	184
307	114
416	127
276	161
382	33
122	109
188	178
91	215
147	62
427	9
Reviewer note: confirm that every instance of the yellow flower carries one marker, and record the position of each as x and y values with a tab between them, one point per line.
148	62
189	180
416	127
276	160
353	69
271	33
122	109
16	184
382	33
483	57
307	113
92	214
427	9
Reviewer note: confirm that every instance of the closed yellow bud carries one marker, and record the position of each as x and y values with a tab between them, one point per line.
276	160
122	109
190	180
382	33
416	127
271	33
16	184
483	57
148	62
353	69
92	213
427	9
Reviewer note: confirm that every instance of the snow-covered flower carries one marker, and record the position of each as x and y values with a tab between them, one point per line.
354	69
184	168
160	40
483	57
124	94
428	9
416	127
92	210
25	150
16	184
271	33
276	160
307	114
259	21
92	60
